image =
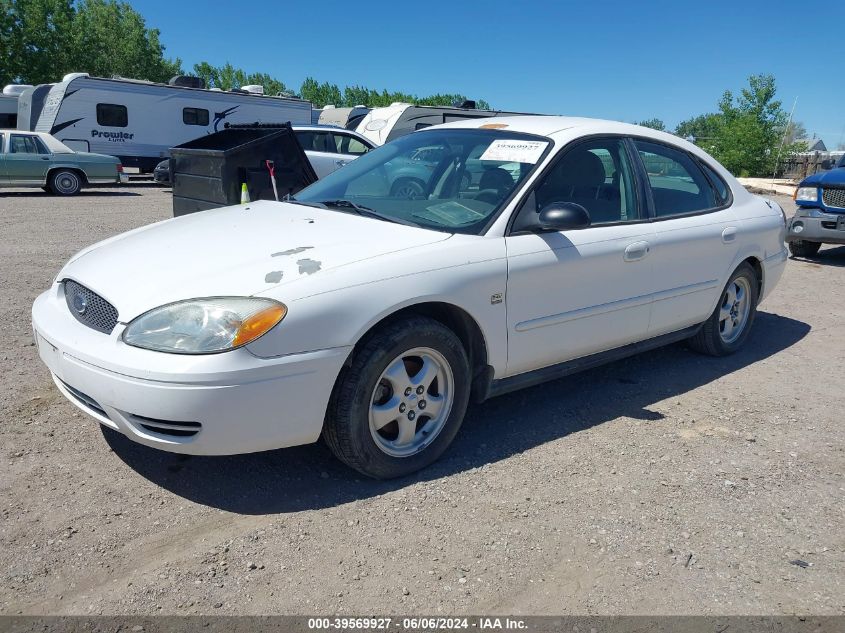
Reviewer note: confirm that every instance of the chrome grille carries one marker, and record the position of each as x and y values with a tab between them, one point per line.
834	197
89	308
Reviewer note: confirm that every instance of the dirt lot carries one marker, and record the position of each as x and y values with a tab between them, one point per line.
667	483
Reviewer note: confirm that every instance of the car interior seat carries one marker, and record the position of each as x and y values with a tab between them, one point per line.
496	180
580	178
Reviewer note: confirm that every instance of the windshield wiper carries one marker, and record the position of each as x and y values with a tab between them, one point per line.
365	211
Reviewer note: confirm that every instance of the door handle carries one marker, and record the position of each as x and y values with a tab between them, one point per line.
636	251
340	163
729	234
45	158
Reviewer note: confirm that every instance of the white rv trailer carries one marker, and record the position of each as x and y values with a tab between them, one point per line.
30	104
139	121
9	104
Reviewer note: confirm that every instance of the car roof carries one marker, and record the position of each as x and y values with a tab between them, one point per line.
548	125
575	127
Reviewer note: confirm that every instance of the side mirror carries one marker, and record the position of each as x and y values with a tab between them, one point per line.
562	216
827	164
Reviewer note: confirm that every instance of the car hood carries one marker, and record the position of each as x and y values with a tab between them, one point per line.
831	177
233	251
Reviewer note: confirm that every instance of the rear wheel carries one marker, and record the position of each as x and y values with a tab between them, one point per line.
64	182
730	324
400	403
801	248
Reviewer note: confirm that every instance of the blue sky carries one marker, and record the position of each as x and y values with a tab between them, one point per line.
612	59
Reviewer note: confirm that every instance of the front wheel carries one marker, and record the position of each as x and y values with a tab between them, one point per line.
801	248
730	324
399	404
64	182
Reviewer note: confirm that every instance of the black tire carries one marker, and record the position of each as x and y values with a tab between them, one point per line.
802	248
346	430
65	182
407	188
709	339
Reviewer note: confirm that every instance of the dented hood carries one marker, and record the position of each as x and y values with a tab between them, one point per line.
233	251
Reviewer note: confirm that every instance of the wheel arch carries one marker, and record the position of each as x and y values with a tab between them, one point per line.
757	265
457	319
74	168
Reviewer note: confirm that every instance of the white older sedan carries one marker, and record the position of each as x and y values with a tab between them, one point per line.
373	319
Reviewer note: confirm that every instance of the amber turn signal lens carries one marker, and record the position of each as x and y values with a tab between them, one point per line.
258	324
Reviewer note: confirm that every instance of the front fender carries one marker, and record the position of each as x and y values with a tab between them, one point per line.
342	316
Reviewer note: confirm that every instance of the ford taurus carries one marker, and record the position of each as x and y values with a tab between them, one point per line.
372	317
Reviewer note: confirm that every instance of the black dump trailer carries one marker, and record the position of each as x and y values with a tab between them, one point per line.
209	171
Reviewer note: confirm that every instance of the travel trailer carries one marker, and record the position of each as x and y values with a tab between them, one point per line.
381	125
30	104
139	121
9	104
348	118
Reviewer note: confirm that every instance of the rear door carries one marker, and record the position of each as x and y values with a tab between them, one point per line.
348	148
695	235
26	160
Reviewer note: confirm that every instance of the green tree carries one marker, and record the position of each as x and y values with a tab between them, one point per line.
654	124
44	39
701	129
749	139
35	40
747	134
111	38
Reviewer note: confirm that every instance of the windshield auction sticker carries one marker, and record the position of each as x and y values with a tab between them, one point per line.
515	151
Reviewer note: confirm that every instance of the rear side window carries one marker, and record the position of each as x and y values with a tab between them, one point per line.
722	191
349	145
194	116
24	144
112	115
678	185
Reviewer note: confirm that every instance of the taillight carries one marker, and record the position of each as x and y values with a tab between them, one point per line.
119	168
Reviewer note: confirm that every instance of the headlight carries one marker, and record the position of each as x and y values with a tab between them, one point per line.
204	326
807	194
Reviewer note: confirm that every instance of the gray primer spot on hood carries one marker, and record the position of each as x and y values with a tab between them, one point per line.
273	277
308	266
291	251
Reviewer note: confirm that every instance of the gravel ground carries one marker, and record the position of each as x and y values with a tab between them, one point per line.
668	483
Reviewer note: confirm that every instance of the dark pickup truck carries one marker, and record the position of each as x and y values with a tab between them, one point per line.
820	218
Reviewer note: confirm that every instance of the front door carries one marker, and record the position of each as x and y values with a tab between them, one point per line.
578	292
27	160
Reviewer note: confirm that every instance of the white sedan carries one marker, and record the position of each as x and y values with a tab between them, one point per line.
373	319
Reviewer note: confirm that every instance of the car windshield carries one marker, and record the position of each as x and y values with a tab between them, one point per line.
452	180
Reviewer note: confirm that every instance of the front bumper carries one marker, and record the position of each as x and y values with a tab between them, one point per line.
217	404
829	228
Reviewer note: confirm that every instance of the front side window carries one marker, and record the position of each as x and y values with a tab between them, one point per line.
316	141
112	115
195	116
25	144
678	186
597	175
452	180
